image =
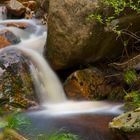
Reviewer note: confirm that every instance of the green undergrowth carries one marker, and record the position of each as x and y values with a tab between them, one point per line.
132	100
58	135
19	122
117	9
130	77
132	96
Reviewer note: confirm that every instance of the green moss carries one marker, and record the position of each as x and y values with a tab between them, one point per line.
132	100
130	77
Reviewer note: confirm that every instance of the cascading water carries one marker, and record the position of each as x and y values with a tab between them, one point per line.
56	110
48	86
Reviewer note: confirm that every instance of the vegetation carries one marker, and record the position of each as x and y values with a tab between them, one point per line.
12	123
118	8
130	77
132	97
58	135
132	100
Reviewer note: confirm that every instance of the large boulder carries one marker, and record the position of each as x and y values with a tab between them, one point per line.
86	84
127	125
91	83
16	85
73	40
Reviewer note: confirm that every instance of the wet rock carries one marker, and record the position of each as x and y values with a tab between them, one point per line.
92	83
7	38
26	26
127	125
21	25
73	40
31	5
86	84
16	85
43	5
16	8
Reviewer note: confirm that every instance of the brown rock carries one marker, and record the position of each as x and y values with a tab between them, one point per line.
7	38
31	5
16	8
86	84
21	25
43	4
73	40
91	83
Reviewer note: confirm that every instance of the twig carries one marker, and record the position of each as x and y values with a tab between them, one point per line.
14	134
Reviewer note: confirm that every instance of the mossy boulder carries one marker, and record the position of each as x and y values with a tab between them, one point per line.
93	83
16	85
86	84
127	125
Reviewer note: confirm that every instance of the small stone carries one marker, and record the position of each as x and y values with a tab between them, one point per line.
21	25
7	38
30	4
16	8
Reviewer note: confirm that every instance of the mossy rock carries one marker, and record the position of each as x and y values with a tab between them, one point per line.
127	125
87	84
16	85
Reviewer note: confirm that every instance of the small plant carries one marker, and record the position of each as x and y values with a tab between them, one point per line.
14	121
132	100
130	77
58	135
10	124
118	7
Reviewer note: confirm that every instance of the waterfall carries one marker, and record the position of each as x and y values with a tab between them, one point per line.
47	84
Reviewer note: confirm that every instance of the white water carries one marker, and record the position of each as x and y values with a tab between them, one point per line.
3	12
46	82
48	86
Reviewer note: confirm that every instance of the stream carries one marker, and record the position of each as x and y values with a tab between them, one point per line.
88	119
